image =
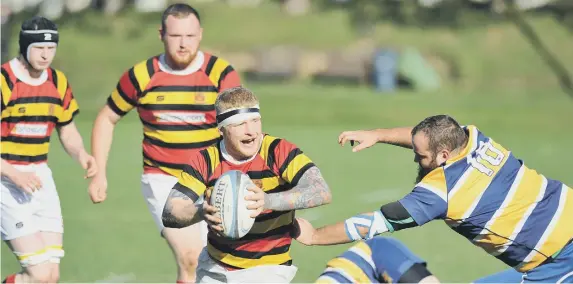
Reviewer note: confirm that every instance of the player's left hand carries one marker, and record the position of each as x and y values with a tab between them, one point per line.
211	216
304	232
258	198
88	163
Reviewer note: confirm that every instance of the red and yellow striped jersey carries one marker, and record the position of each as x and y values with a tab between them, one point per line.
278	167
31	112
177	110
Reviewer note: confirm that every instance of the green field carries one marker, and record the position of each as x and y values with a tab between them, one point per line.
117	241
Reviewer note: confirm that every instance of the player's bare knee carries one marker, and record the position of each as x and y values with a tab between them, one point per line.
188	260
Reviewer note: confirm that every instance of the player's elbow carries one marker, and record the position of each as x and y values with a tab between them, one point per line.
107	116
170	221
326	197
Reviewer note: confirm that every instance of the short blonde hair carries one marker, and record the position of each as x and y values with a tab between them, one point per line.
237	97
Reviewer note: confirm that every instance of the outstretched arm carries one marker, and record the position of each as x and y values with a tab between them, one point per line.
389	218
400	136
311	191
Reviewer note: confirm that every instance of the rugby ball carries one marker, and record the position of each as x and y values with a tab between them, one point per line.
228	196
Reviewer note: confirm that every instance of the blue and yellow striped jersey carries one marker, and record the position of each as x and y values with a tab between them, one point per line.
493	199
377	260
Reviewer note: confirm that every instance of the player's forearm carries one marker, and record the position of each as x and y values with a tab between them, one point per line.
363	226
330	235
400	136
102	137
311	191
72	141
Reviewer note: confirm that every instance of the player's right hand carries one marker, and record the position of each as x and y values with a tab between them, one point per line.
211	217
26	181
365	138
304	232
98	189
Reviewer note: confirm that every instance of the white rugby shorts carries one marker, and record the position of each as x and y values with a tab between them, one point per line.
155	189
209	271
25	214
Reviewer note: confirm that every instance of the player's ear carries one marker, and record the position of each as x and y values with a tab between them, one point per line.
200	34
161	33
444	155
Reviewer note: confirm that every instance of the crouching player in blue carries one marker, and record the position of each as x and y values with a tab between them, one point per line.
377	260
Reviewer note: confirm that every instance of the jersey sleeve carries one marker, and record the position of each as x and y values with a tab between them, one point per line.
193	178
69	104
291	162
5	88
428	200
124	97
229	79
221	73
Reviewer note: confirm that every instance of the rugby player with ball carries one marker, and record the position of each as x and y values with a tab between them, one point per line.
282	179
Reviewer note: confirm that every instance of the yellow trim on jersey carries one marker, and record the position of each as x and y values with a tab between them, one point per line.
264	152
214	159
178	98
466	197
35	109
364	248
435	181
62	83
505	225
23	149
192	183
295	166
559	232
190	136
350	268
122	104
6	92
265	226
67	114
247	262
271	183
218	68
141	75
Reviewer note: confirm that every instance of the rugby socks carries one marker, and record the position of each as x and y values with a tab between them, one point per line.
10	279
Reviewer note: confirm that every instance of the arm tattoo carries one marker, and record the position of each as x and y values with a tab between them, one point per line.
311	191
180	211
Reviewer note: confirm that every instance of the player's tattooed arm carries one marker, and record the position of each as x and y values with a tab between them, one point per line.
311	191
180	210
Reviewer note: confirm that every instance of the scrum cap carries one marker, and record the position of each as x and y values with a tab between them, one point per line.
37	31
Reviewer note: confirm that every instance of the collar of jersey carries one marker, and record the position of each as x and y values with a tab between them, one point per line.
192	68
16	68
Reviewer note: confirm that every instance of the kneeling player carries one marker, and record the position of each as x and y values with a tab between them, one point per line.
285	179
377	260
36	99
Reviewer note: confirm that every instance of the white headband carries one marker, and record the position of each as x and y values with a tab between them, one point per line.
237	115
